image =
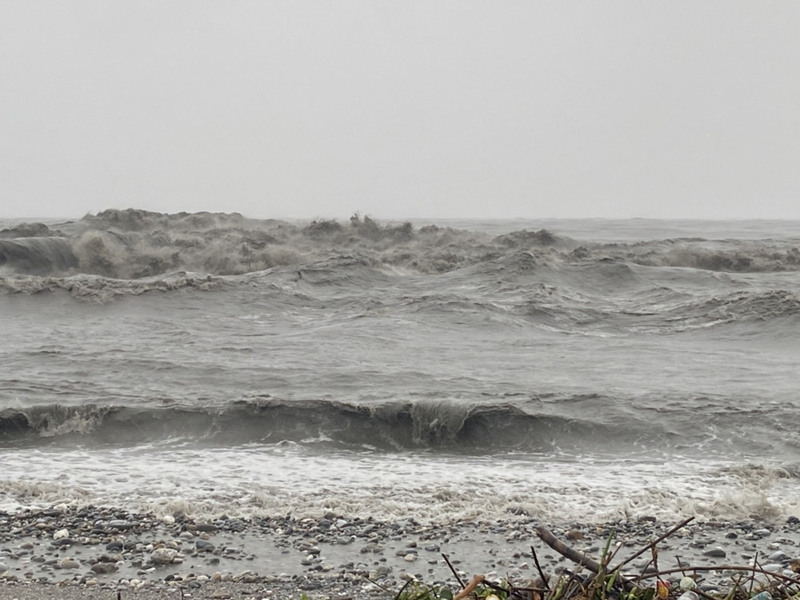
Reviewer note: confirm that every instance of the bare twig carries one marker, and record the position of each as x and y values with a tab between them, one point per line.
613	554
402	589
654	560
752	579
573	582
453	571
539	568
659	539
680	564
744	569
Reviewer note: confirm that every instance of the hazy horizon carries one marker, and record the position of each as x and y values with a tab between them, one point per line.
459	110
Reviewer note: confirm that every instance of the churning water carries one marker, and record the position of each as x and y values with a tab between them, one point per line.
584	370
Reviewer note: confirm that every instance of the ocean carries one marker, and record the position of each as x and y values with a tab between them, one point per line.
565	370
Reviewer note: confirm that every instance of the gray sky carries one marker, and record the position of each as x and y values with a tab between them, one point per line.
401	109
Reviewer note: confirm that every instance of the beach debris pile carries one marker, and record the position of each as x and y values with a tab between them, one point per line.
612	579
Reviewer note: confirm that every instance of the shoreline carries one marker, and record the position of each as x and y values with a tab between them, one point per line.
94	552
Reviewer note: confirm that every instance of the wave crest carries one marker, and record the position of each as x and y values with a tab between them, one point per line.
420	424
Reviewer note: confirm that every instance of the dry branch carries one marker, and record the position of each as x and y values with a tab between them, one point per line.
577	556
607	583
566	551
658	540
470	587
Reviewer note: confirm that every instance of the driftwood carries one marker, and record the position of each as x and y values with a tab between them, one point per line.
566	551
606	582
632	584
579	557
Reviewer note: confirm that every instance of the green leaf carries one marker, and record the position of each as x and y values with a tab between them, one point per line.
648	594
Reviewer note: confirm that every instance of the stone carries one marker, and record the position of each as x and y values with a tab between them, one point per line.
103	568
68	563
246	577
61	543
163	556
204	546
779	557
574	535
763	532
110	558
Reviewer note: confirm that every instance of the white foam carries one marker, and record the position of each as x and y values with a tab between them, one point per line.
260	480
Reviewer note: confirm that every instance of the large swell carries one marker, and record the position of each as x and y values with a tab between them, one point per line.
383	364
536	426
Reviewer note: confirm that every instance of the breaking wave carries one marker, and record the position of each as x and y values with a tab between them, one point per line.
539	277
133	244
550	426
38	256
731	256
391	426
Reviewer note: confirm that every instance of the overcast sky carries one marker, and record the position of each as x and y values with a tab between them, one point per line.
514	108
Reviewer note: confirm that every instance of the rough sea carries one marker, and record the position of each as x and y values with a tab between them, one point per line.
583	370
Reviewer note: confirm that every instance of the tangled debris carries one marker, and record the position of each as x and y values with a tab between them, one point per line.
605	579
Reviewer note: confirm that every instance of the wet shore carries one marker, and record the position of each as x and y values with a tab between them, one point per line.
92	552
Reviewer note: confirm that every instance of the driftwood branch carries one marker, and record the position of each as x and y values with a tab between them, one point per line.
577	556
566	551
602	577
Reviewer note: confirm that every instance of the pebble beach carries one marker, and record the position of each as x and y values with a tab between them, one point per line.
90	552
